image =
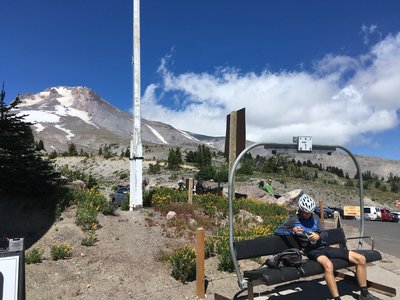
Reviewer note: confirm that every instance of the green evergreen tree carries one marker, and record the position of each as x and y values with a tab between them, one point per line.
39	146
174	159
203	156
21	168
127	152
53	154
246	168
154	169
190	157
206	172
72	150
107	153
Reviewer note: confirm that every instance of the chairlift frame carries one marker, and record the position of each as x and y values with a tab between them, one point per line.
301	145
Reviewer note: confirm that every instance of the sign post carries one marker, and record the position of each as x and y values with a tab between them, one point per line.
12	271
353	211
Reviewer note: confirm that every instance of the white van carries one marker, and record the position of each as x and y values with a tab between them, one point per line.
372	213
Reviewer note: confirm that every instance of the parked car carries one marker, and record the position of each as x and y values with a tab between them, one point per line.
341	213
396	216
372	213
120	194
338	209
386	215
328	213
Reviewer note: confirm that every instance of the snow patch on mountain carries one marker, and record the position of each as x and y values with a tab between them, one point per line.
66	98
39	127
36	99
157	134
186	135
69	132
69	111
37	116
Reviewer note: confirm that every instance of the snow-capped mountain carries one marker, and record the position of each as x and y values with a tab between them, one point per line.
63	115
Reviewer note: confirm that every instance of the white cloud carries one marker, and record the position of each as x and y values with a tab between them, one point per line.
344	99
379	81
368	31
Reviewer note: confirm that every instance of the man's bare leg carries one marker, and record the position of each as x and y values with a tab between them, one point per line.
361	269
329	276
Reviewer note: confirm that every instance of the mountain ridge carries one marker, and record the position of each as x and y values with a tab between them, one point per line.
63	115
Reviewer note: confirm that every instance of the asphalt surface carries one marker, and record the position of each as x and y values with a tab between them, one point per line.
386	235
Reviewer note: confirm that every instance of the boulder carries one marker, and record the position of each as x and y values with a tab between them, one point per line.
251	191
248	218
78	184
171	215
290	199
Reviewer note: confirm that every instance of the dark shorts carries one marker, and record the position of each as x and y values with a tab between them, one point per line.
330	252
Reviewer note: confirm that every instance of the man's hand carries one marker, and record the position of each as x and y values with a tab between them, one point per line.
297	230
313	236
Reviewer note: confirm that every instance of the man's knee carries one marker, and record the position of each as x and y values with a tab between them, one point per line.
357	258
326	264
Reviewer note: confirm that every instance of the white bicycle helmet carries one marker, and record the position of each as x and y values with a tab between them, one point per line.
306	203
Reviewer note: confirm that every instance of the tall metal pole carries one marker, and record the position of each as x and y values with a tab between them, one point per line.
136	155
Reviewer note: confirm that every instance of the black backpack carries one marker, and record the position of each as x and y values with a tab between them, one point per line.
291	257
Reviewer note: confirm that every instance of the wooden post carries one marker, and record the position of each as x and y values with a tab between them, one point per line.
190	191
322	212
232	145
200	287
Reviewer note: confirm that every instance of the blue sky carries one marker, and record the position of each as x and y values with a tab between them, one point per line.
329	69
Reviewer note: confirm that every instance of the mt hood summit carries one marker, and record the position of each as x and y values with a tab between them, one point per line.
63	115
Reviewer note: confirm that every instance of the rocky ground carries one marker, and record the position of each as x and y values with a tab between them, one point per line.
125	263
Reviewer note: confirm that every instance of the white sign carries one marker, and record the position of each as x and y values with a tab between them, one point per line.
304	144
351	211
9	267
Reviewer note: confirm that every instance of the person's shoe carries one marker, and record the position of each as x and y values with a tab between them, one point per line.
369	297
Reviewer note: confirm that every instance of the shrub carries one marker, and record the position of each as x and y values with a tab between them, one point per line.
125	203
147	195
109	208
213	204
90	239
209	248
225	261
60	251
271	213
34	256
163	196
246	168
206	172
221	174
85	216
154	169
183	262
224	255
88	205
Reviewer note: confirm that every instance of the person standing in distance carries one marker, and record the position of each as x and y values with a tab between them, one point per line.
309	232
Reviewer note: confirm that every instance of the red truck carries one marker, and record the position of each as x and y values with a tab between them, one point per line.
386	215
